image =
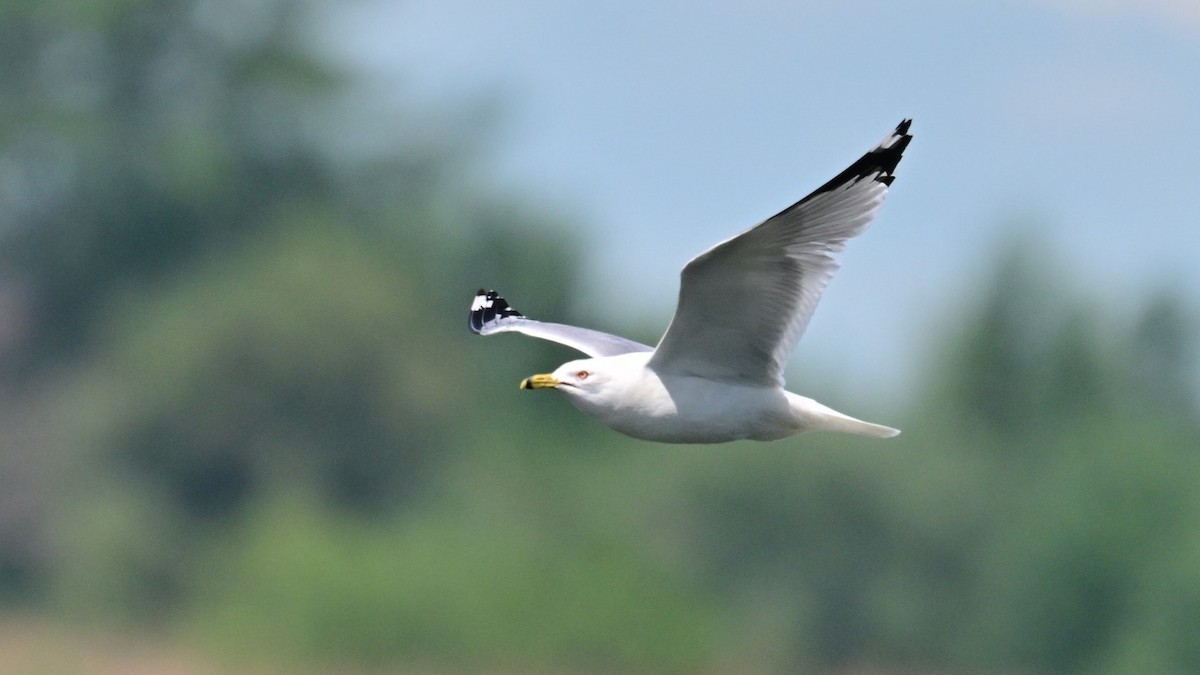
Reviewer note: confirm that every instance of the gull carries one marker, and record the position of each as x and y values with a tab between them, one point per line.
717	373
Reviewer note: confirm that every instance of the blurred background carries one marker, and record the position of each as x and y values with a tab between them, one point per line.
243	427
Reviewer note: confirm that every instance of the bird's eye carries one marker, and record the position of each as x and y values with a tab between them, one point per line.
582	375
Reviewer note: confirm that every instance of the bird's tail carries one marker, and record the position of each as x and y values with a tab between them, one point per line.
813	416
850	425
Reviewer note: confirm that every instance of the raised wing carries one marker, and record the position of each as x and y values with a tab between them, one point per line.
745	302
491	313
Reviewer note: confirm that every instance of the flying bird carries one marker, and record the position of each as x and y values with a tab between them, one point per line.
717	373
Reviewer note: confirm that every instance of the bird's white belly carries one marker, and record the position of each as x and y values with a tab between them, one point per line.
694	410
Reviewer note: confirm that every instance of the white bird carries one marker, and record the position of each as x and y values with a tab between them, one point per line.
717	373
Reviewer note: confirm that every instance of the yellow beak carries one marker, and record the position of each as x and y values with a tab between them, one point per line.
545	381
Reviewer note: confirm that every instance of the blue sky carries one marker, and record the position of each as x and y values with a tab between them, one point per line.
660	128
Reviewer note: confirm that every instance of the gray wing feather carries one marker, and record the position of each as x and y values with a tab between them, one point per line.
744	303
492	314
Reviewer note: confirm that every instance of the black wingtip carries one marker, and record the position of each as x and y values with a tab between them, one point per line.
879	164
487	307
884	158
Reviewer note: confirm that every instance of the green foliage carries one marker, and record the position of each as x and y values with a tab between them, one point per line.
1093	458
305	360
1063	567
448	587
141	134
283	362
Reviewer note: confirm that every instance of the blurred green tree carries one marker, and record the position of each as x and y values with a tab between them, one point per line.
1092	441
1165	360
239	293
141	134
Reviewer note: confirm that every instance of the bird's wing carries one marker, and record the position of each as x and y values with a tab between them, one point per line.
744	303
491	313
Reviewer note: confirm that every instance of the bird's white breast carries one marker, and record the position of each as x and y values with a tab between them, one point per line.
639	402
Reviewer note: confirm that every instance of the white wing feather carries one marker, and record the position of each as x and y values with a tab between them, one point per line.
492	314
744	303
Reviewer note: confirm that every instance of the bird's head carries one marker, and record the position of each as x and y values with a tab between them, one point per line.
574	378
597	383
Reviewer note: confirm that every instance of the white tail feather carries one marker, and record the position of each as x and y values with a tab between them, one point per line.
850	425
813	416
